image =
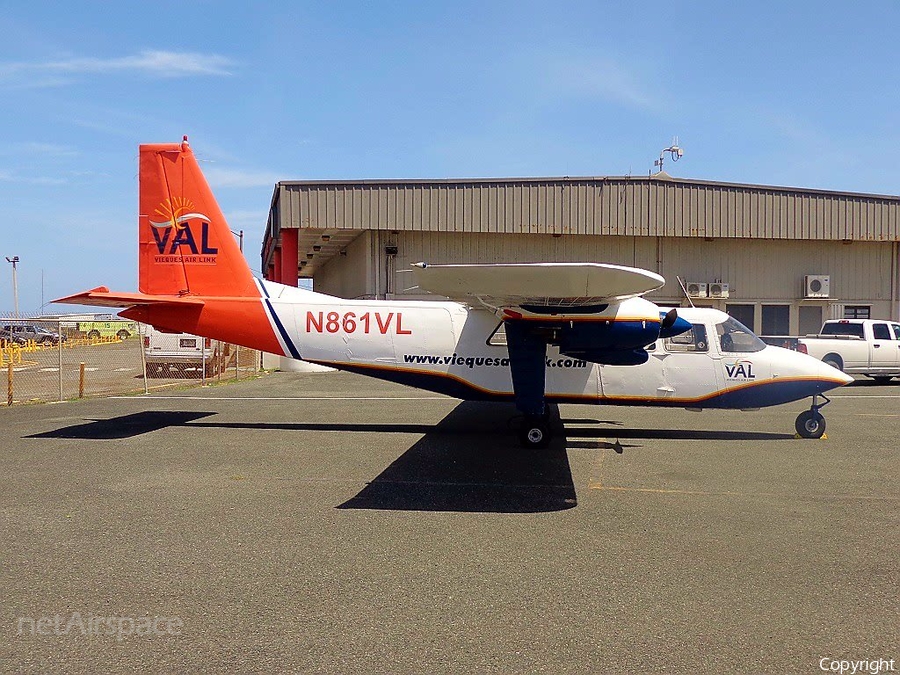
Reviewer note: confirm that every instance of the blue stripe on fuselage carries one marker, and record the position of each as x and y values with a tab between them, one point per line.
281	329
768	393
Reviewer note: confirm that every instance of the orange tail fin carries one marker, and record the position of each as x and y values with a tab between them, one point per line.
186	247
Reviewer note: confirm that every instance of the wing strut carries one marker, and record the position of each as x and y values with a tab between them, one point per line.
527	363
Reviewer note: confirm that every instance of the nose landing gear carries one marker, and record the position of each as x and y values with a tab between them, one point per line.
811	423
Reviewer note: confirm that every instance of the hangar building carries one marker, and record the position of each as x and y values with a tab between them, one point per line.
778	259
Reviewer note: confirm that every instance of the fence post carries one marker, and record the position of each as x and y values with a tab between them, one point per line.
81	380
142	328
9	383
60	364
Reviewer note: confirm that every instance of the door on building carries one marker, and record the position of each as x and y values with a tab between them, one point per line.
810	319
776	320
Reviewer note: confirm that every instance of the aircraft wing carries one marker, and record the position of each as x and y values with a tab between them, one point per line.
561	284
102	297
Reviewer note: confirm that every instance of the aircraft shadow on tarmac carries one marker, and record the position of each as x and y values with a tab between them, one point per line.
125	426
470	461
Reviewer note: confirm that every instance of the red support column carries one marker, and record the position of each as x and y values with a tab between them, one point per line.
276	255
289	260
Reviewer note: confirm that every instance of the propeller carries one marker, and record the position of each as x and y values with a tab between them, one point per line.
671	324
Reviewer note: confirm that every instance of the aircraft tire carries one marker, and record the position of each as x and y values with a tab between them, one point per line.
535	433
810	424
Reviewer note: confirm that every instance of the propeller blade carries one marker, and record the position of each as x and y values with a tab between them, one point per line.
672	324
669	319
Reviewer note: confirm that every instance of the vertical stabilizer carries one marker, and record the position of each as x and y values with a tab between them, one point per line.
186	247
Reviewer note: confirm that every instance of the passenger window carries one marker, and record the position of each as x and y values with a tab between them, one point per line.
498	337
880	331
896	328
693	340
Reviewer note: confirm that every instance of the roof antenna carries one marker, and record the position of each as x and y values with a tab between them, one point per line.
674	151
684	290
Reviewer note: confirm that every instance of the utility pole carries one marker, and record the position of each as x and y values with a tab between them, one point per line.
15	261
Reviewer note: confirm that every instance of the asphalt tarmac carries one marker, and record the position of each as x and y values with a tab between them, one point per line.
328	523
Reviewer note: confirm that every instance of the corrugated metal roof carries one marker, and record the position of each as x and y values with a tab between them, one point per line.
620	206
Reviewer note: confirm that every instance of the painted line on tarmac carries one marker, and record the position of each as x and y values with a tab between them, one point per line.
705	493
866	396
288	398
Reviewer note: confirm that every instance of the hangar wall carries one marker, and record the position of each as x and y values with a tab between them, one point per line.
358	238
758	272
351	274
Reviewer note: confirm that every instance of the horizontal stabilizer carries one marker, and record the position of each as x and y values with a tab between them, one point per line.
102	297
558	285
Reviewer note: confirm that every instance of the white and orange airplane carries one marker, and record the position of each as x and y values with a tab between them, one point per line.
529	333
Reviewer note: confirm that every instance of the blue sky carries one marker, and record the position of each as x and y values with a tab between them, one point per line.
802	94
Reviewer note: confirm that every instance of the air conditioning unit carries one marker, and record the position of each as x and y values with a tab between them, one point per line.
696	289
816	286
718	290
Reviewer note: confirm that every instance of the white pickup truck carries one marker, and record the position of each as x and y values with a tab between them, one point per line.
858	347
183	355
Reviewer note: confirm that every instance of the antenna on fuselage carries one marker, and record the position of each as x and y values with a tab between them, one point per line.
684	290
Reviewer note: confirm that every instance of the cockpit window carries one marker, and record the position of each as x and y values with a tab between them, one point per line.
736	337
693	340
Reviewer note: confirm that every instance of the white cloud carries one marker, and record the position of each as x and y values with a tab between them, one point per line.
35	148
155	63
9	177
603	79
247	220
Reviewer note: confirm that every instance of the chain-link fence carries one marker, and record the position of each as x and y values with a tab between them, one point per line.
59	359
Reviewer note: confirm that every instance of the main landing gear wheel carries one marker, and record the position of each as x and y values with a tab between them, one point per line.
535	432
810	424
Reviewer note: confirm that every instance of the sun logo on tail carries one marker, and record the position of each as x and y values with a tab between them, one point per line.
176	213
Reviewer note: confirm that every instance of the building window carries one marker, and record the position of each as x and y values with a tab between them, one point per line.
776	320
746	314
857	311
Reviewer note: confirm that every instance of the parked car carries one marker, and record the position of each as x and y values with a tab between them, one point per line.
858	346
183	354
34	332
7	337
